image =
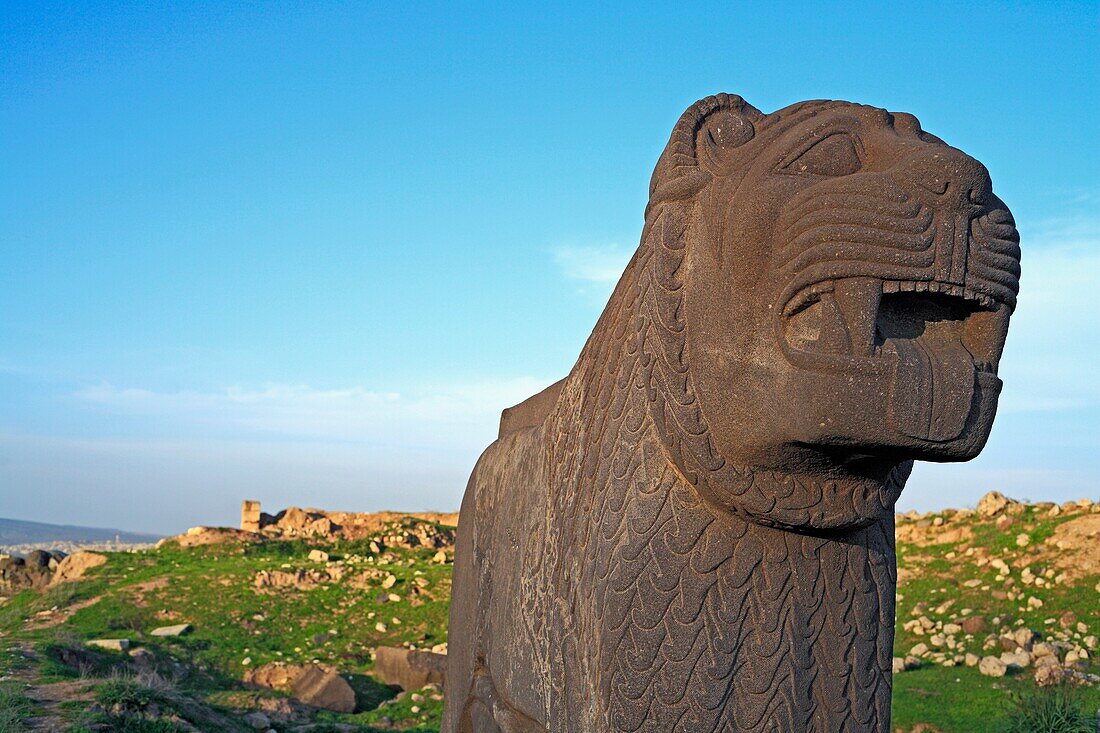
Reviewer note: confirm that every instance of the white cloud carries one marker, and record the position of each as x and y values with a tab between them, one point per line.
1052	352
598	264
166	485
163	461
451	413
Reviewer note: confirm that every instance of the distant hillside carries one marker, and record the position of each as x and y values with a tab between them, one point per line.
19	532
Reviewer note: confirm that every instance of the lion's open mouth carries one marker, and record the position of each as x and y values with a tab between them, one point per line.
935	338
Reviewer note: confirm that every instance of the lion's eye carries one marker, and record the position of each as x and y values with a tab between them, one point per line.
834	155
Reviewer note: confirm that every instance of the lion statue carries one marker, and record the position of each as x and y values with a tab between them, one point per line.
694	530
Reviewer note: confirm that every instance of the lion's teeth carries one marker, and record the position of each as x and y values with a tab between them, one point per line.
833	336
858	299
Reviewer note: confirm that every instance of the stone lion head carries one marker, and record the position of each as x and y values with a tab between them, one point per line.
828	293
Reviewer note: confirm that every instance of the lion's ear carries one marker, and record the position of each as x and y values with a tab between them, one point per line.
701	144
727	125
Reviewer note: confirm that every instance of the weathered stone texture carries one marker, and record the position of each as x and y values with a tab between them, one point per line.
694	529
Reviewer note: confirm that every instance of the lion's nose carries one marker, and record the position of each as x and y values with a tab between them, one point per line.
948	172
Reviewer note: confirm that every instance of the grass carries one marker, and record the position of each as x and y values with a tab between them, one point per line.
1053	710
237	627
961	700
14	707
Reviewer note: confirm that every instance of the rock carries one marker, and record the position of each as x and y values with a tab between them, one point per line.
76	565
38	559
318	556
1042	649
992	667
1048	675
919	650
115	645
971	660
257	720
439	557
897	665
1067	619
143	657
324	689
1025	637
1022	539
301	579
410	670
1034	602
1050	660
16	574
993	504
199	536
1019	658
912	663
177	630
274	676
389	581
974	625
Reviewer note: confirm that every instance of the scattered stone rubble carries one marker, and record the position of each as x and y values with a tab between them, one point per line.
41	568
1005	645
34	571
384	530
317	685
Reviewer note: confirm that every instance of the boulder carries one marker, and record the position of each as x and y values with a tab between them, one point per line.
143	658
200	536
274	676
17	574
318	556
409	670
257	720
177	630
76	565
38	559
115	645
1025	638
992	667
993	504
974	625
324	689
1050	674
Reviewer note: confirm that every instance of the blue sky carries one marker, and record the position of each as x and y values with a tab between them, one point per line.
306	253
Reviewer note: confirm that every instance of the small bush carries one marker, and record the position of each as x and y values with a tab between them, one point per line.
126	695
1049	710
14	707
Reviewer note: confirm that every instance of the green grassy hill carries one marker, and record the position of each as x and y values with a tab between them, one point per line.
254	603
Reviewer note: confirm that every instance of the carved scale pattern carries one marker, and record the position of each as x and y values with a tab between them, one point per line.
692	618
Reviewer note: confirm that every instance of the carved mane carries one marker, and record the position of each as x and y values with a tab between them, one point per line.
616	570
675	594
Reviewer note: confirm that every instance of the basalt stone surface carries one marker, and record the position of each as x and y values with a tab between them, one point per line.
693	531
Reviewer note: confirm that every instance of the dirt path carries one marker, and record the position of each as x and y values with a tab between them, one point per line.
49	696
58	616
